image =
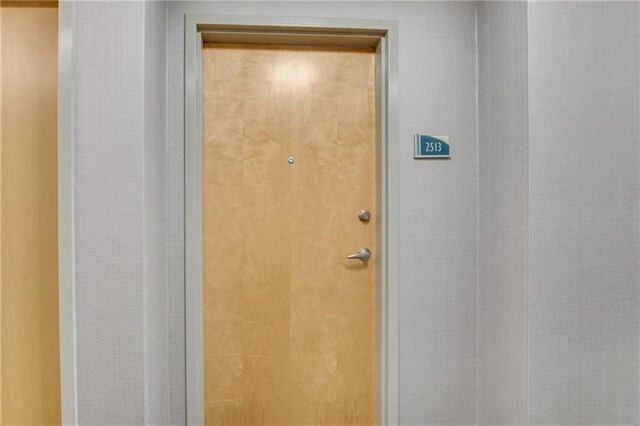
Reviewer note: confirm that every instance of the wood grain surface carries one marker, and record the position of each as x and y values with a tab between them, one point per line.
289	321
30	377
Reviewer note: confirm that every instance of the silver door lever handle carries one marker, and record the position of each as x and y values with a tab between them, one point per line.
364	254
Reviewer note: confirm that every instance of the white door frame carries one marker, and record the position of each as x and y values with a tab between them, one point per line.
66	211
381	34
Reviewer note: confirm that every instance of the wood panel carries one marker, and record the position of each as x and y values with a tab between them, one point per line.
30	382
289	321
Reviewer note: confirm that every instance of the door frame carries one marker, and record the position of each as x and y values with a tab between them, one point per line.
66	211
381	34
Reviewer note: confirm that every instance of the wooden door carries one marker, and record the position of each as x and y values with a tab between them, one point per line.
30	372
288	162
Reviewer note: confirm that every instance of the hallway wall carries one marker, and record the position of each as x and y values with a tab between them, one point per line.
584	146
519	256
559	144
503	213
121	284
109	211
155	290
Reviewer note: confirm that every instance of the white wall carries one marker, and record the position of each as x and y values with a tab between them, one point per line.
109	211
438	221
156	321
128	370
121	284
559	206
503	213
584	146
519	278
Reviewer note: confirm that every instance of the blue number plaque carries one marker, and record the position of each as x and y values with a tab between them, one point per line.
431	146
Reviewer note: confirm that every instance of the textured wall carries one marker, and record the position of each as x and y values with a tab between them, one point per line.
584	191
109	211
554	294
438	220
121	295
156	332
503	218
559	108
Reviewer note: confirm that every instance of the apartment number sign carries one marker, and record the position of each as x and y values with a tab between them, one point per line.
426	146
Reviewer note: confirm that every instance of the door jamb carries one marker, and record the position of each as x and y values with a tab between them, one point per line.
66	211
383	34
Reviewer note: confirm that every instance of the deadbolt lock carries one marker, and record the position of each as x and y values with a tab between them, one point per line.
364	216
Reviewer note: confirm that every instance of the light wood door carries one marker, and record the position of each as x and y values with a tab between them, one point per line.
289	330
30	378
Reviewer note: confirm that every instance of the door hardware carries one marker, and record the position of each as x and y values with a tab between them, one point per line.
363	255
364	216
